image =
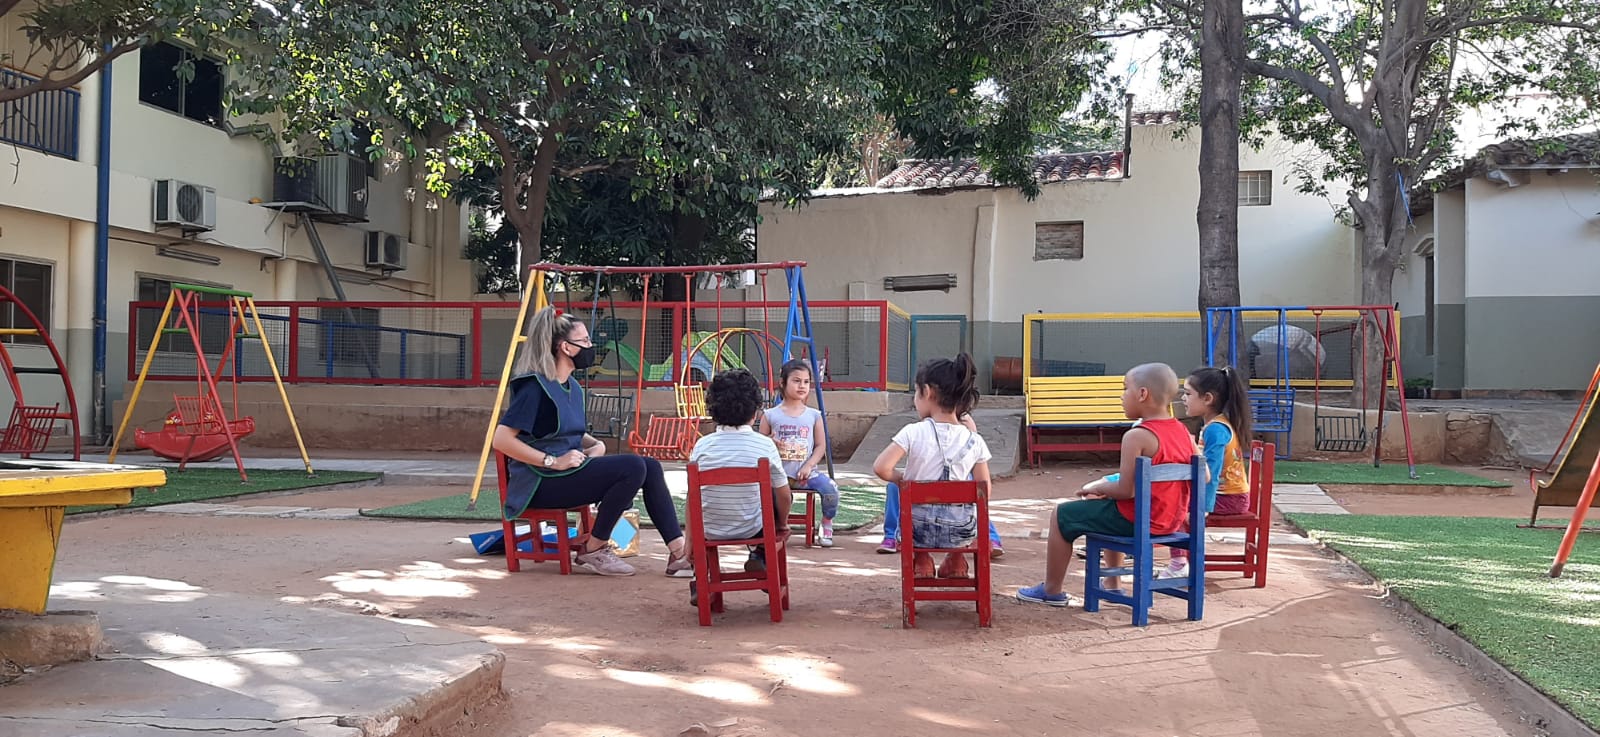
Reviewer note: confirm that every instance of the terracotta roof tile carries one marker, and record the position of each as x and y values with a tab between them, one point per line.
1576	149
1156	117
1047	169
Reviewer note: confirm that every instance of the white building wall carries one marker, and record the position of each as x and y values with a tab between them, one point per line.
1532	276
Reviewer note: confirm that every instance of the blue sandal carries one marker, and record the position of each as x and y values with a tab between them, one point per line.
1036	595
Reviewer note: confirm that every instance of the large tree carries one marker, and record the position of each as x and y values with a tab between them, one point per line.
71	40
728	96
1380	86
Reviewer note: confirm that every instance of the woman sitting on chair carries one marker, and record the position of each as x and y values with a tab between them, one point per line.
556	464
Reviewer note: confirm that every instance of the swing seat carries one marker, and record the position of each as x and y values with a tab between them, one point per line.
666	438
691	401
1337	434
30	429
194	430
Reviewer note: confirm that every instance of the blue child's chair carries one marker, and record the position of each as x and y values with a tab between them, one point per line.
1141	547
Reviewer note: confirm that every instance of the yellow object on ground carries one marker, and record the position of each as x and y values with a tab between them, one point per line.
34	494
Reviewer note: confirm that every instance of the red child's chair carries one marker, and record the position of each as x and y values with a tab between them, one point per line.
541	550
1256	523
808	518
913	589
711	582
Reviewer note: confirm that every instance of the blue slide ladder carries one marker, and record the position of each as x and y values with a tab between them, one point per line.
797	330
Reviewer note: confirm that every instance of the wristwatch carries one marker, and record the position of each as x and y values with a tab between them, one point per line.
549	460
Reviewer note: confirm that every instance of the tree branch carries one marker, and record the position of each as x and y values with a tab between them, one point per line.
1535	20
48	83
1340	108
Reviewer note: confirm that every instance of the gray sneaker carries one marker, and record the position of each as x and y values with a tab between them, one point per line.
604	562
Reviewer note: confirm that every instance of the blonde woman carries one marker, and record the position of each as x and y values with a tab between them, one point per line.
556	464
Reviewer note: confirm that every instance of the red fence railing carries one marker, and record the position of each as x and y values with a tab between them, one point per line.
464	343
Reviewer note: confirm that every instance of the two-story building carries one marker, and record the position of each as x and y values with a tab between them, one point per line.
195	196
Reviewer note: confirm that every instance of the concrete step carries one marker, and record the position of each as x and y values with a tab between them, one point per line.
189	661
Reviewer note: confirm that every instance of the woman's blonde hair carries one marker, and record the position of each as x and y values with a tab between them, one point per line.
545	330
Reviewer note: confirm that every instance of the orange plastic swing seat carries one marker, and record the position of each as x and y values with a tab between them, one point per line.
666	438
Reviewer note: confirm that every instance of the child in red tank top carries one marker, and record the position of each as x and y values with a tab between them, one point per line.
1106	506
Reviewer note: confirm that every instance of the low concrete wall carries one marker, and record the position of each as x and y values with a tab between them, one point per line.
1428	434
433	418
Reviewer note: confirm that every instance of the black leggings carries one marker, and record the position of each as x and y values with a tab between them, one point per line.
613	481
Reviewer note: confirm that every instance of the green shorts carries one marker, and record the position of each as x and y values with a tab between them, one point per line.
1078	518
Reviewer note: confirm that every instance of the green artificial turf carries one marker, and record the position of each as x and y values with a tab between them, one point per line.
1488	581
1390	473
202	484
858	507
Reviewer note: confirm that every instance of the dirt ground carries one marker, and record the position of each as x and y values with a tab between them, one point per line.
1317	652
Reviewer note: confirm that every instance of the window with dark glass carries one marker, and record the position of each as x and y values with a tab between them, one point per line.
31	282
177	79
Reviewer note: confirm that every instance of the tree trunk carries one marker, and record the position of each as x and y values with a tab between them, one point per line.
1380	246
1217	214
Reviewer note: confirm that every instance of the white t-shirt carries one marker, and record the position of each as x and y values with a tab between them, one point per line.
930	446
734	512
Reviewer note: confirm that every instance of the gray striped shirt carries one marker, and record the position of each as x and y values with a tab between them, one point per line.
733	512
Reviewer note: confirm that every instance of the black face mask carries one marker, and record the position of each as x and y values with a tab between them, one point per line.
585	357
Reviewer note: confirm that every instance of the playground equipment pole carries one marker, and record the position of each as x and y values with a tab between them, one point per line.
1576	524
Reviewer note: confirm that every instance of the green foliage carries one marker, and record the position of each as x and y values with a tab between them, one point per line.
69	40
1380	88
994	78
493	247
693	104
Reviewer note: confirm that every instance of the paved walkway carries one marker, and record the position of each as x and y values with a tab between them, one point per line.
1304	499
187	660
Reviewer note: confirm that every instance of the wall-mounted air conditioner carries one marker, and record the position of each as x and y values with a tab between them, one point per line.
330	187
189	206
386	251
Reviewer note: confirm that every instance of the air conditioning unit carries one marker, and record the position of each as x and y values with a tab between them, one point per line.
330	187
386	251
342	184
189	206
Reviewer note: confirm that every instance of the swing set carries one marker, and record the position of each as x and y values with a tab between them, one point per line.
32	425
1336	430
666	437
200	428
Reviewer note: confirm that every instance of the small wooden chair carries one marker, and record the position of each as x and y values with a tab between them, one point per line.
912	589
807	519
1257	523
1141	547
711	582
561	550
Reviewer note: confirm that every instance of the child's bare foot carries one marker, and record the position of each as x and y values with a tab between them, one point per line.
922	566
954	566
1112	583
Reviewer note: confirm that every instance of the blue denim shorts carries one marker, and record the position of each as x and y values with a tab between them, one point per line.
944	525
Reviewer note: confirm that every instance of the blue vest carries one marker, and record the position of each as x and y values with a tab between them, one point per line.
571	424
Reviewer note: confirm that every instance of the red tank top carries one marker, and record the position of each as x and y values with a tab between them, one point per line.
1169	500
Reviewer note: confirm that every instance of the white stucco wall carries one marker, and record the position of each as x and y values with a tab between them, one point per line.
1140	242
1450	247
1410	280
866	238
1539	239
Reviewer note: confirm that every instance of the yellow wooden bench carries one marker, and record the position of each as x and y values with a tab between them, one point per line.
1074	406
